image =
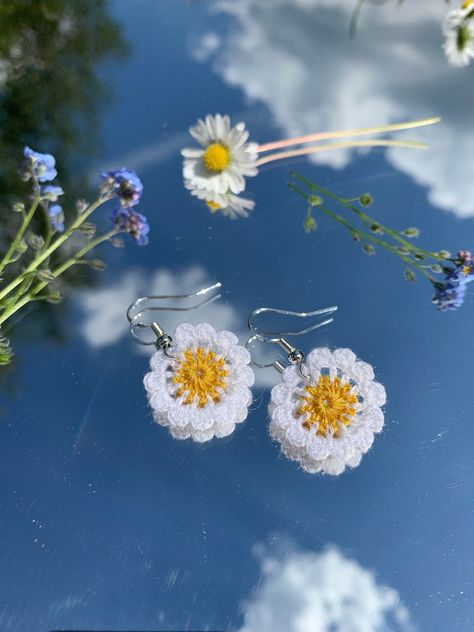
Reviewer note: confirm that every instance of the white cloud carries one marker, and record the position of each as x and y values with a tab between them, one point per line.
297	58
104	320
321	592
206	47
149	155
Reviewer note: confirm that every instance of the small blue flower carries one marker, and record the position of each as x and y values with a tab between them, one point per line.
124	183
56	215
450	294
51	192
133	223
41	165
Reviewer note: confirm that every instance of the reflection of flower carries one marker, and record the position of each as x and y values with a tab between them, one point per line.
324	591
42	165
327	420
204	389
126	184
458	29
224	160
450	294
56	215
228	204
133	223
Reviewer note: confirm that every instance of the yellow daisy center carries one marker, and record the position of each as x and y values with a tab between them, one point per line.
327	404
200	375
466	4
216	158
466	270
214	206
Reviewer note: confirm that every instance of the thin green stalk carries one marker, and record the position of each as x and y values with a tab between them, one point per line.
54	246
368	221
21	231
368	236
55	273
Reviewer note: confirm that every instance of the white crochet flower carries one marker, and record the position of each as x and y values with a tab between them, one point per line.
459	37
204	389
327	420
223	161
228	204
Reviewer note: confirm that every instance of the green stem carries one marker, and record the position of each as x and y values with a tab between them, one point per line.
24	225
368	236
54	246
368	221
56	273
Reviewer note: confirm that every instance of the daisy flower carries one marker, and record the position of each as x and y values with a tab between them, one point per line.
224	159
203	391
459	37
327	420
228	204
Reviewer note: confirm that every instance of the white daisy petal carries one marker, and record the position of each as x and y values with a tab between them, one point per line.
459	36
225	158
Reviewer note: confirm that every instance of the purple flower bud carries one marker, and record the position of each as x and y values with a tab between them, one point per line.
125	184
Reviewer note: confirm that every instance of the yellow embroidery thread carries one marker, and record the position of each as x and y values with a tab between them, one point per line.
327	404
216	158
199	375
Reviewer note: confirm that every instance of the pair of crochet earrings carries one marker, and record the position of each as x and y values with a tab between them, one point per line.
323	413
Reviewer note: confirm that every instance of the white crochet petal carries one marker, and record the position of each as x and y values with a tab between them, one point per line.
373	418
328	453
333	465
224	430
345	359
291	376
319	358
296	435
184	335
363	371
230	400
226	340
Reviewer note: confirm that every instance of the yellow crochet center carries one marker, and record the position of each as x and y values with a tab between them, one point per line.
327	404
213	206
199	375
216	158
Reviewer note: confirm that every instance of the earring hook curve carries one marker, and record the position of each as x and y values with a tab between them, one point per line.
164	340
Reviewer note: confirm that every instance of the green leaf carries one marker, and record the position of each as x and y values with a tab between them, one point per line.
6	352
54	297
19	207
97	264
88	229
35	241
376	228
369	249
45	275
315	200
411	232
81	206
366	199
444	253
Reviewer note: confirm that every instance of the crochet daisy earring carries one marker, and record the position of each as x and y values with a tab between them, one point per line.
327	407
200	379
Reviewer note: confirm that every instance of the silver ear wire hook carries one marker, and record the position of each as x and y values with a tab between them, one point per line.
163	340
294	355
